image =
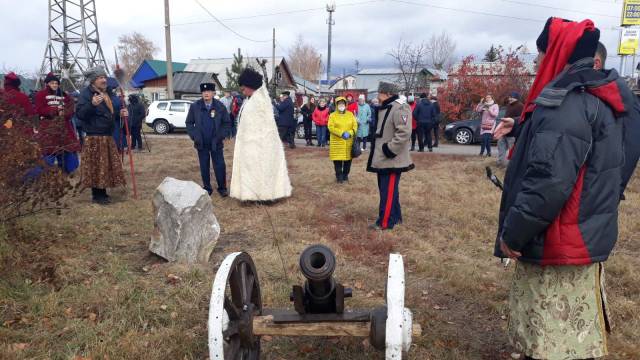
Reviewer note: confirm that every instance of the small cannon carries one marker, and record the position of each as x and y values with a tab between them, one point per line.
237	319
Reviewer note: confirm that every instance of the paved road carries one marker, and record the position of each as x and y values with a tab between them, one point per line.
444	148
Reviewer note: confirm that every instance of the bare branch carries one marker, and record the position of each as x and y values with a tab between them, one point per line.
410	59
133	49
305	60
441	49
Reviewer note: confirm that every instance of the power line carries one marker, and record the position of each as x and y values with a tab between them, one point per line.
227	27
477	12
284	52
561	9
278	13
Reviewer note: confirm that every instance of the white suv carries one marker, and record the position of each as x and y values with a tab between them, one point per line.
166	115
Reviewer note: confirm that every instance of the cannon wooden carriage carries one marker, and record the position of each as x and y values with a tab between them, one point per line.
237	319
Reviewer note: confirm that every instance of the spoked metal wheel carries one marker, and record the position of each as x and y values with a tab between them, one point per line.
235	301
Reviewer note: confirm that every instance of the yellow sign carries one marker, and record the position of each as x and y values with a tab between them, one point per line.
631	13
628	42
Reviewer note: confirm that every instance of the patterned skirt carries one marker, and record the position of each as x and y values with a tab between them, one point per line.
101	165
558	312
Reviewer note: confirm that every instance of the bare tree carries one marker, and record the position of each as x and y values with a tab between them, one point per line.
441	48
410	59
305	60
133	49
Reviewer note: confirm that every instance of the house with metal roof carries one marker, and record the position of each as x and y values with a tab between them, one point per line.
186	85
306	87
285	80
370	79
153	69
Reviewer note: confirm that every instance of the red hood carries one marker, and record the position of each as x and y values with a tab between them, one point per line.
611	94
563	36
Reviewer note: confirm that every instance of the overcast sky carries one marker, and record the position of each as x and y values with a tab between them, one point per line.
364	30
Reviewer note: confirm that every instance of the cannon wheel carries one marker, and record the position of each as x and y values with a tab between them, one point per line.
399	320
235	301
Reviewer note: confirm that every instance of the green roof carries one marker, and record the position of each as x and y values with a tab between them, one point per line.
160	66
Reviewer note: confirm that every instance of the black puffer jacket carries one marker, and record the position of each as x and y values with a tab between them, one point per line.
631	143
96	120
562	187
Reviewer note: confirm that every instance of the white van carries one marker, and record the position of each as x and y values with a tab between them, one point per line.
166	115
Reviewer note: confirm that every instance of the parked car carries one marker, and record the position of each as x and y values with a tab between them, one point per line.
300	128
165	116
466	132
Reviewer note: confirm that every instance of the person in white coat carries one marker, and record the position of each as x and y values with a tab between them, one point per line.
259	167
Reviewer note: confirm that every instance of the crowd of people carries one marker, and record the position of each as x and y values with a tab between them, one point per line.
575	139
87	125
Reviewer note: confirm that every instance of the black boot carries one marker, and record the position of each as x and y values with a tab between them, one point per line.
339	174
100	197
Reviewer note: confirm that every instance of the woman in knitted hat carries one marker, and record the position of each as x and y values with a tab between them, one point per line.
11	95
56	135
101	166
343	128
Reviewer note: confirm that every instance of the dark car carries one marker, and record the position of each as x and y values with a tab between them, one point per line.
300	128
466	132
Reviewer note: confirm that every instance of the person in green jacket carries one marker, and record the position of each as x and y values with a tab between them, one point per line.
364	118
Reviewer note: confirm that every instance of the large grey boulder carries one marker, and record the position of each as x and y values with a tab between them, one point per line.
186	229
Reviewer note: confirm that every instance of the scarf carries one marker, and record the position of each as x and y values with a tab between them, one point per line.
563	37
107	98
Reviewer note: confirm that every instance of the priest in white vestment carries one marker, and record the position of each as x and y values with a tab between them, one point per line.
259	166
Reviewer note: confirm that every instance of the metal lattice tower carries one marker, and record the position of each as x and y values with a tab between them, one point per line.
74	43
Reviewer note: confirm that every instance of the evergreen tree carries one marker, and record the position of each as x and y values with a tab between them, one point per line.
234	73
492	55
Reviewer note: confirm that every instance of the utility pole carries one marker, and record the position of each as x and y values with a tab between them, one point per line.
330	9
273	63
167	37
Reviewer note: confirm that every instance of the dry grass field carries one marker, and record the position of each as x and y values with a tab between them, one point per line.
83	285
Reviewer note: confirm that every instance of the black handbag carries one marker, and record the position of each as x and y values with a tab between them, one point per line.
356	150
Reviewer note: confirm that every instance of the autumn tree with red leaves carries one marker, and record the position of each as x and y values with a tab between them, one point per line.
470	81
27	184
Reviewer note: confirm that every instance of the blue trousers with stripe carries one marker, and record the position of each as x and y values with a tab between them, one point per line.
206	157
390	211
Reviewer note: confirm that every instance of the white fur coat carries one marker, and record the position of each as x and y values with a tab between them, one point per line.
259	166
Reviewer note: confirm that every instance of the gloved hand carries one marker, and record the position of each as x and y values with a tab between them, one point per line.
346	135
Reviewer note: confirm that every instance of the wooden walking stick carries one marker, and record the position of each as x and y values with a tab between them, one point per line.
119	74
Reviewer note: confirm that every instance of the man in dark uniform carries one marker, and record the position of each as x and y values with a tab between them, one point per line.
286	121
208	123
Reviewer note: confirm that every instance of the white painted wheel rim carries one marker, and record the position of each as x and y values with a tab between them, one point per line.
218	317
398	318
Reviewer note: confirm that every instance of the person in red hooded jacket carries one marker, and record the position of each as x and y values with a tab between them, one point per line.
55	132
352	105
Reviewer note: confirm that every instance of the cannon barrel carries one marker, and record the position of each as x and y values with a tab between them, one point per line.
321	294
317	263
